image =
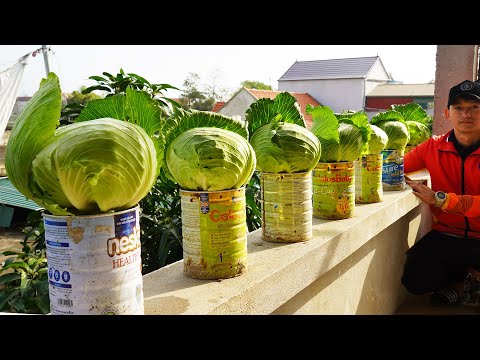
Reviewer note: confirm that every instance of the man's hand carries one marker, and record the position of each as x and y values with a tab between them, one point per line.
423	192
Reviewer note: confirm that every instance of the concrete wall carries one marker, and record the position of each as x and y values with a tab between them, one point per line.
338	94
455	63
351	266
238	104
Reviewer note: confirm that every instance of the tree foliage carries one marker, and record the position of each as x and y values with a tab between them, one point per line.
252	84
199	96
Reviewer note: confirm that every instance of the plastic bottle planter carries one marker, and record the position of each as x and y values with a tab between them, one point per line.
214	231
368	179
94	264
334	190
286	201
393	177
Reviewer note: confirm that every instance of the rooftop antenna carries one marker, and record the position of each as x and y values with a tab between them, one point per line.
45	58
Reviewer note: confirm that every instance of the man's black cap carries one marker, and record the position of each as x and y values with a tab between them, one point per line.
466	87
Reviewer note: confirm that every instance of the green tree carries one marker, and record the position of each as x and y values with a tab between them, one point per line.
81	98
193	97
252	84
200	96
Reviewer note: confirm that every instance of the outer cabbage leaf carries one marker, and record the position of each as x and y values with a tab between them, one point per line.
31	131
285	148
210	159
284	108
325	124
412	112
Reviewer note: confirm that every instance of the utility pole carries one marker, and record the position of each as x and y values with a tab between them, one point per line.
45	58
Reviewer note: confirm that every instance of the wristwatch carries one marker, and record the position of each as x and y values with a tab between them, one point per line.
440	198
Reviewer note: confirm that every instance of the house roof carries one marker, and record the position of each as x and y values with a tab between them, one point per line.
346	68
389	90
9	195
218	105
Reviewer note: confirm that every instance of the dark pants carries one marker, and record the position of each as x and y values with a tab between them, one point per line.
437	261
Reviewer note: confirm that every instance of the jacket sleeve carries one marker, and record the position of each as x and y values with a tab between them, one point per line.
413	160
465	205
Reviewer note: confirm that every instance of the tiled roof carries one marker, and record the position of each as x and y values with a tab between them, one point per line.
217	106
346	68
302	98
403	90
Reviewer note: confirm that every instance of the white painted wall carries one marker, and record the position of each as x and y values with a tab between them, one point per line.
377	72
338	94
238	104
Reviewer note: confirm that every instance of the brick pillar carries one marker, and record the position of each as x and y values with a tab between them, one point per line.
455	63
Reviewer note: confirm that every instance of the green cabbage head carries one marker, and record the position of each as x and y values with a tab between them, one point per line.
377	142
210	159
348	148
397	132
419	132
84	168
285	148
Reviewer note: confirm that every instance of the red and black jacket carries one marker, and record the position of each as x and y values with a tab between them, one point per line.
460	178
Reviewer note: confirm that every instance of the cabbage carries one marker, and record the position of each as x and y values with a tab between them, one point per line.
417	121
207	151
397	133
210	159
377	142
418	132
285	148
280	139
88	167
394	125
343	137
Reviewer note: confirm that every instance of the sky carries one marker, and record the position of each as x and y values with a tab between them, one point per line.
224	66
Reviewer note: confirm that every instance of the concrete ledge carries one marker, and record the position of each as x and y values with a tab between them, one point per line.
350	266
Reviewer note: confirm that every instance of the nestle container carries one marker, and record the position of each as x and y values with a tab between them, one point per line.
393	177
94	264
368	179
214	231
287	210
334	190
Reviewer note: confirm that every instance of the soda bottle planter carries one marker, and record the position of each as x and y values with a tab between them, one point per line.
94	264
368	179
214	231
393	177
286	201
334	190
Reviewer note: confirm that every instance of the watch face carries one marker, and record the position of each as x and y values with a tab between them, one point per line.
441	195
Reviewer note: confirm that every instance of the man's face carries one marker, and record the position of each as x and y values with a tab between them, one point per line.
464	116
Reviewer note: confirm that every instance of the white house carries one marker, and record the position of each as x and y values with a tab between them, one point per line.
341	84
